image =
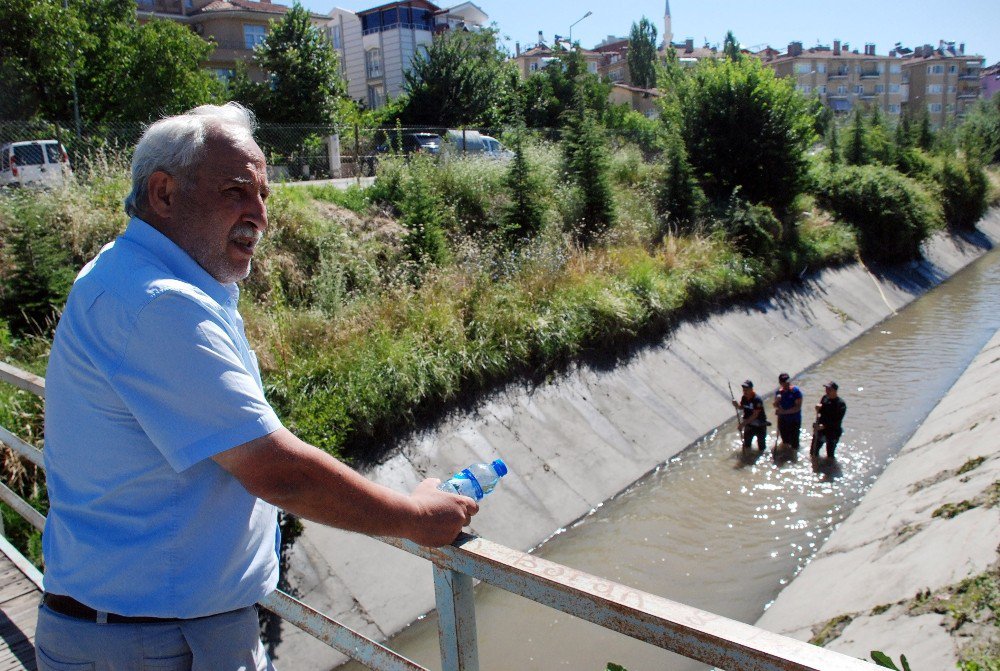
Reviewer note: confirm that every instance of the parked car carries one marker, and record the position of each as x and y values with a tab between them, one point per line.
401	144
42	163
495	149
474	143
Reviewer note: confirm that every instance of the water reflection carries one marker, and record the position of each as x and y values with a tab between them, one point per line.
724	531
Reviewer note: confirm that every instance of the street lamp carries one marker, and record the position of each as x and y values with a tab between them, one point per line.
573	24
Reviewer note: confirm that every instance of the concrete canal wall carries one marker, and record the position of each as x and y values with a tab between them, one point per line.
867	588
582	438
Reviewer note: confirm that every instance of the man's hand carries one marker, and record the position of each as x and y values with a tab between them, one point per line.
442	515
736	404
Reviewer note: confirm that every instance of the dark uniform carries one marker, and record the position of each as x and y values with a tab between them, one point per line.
830	417
756	427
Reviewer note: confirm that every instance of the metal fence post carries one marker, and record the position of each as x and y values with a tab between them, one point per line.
456	620
357	156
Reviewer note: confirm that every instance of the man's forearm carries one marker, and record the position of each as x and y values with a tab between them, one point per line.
310	483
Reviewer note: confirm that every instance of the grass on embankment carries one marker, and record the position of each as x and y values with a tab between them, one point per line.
354	350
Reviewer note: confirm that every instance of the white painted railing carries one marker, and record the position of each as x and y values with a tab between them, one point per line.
706	637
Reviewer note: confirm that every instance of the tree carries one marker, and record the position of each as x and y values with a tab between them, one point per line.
731	47
587	164
463	79
856	150
524	217
745	128
641	55
98	46
563	83
680	200
304	83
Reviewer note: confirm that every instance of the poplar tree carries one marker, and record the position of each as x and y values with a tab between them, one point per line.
641	57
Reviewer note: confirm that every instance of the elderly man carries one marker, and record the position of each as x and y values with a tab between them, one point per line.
165	463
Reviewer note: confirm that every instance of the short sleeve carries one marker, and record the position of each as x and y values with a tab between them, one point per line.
185	381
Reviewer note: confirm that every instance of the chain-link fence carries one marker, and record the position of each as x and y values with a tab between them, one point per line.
293	152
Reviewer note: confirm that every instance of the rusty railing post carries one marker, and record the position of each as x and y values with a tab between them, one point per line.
456	620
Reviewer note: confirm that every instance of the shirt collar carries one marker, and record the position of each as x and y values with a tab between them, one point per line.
178	261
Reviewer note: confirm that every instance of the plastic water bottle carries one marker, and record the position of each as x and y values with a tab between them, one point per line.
476	481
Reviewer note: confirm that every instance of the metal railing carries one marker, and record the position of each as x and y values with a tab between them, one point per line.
694	633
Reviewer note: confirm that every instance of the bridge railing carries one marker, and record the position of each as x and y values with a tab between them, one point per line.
694	633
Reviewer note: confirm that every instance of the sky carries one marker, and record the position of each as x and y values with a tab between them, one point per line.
755	23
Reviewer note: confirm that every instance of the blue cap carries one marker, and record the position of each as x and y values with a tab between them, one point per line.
500	467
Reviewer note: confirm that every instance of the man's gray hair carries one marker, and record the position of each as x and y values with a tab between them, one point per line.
174	144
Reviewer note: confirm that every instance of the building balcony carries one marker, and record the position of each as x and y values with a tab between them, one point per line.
968	76
870	74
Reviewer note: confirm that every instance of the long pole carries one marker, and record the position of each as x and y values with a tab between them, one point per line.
573	24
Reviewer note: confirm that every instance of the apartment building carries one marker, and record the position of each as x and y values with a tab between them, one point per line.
235	26
944	81
841	78
537	57
990	81
377	46
613	65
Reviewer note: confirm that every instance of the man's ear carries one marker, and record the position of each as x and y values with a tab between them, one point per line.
161	190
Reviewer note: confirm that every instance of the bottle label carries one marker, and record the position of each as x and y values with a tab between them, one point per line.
467	474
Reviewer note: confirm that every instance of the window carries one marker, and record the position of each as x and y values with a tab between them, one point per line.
592	67
933	88
376	96
533	67
894	108
934	107
880	88
803	68
821	68
858	88
373	61
952	88
893	88
821	89
804	88
337	36
950	108
952	69
390	17
935	69
841	90
253	35
895	68
224	74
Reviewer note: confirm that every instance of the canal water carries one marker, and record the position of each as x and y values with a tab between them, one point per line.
724	533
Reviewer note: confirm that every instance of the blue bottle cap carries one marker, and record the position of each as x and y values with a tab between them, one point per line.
500	467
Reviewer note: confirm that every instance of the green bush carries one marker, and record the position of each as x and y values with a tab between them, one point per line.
680	201
744	127
36	265
963	186
752	228
891	213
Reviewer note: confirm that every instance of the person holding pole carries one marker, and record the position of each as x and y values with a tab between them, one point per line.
830	413
754	422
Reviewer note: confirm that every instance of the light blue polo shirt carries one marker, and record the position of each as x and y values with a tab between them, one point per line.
149	376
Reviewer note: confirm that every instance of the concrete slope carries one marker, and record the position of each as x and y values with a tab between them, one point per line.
587	435
900	543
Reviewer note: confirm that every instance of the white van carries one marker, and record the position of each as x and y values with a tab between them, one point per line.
34	163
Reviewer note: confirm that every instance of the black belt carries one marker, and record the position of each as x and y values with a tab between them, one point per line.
67	605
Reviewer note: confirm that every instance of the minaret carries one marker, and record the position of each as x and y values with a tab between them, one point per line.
668	34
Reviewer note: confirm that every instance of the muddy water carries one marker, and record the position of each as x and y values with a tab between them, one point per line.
723	533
